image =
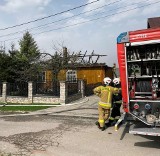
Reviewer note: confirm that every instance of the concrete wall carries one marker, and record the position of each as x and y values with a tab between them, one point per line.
46	100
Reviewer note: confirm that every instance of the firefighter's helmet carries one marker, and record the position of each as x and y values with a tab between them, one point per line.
107	80
116	81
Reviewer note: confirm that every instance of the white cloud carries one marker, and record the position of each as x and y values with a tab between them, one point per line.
99	36
15	5
67	14
76	21
128	10
150	9
66	5
47	41
122	15
94	5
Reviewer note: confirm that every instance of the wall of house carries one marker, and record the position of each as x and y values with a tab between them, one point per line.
91	75
109	73
49	75
62	75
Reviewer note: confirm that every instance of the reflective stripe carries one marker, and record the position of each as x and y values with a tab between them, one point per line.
103	104
111	118
118	102
100	102
101	121
107	106
109	96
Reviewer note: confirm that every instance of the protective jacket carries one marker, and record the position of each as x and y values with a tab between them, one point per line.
105	93
116	104
117	98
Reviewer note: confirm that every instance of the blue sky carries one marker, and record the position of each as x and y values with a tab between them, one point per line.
98	35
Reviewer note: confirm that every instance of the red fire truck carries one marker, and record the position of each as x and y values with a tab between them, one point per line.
139	65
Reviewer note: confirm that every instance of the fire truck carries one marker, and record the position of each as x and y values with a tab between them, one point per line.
139	66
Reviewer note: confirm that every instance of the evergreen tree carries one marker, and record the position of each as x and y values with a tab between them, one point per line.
28	48
28	57
4	66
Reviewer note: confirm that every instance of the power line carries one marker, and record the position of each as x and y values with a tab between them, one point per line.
38	19
99	17
92	19
60	19
43	25
107	15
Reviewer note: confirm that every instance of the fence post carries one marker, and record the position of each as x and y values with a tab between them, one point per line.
81	87
63	92
30	92
4	92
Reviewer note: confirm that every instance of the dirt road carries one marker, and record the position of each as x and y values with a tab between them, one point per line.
70	132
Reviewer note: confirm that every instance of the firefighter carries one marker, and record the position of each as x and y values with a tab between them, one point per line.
105	93
116	104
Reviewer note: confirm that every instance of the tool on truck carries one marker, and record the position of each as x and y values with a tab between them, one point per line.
139	66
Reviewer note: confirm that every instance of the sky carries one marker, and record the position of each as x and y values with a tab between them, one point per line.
94	27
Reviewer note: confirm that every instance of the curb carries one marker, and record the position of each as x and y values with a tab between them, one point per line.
42	113
68	104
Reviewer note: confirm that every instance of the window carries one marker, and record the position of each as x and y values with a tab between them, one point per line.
42	77
71	76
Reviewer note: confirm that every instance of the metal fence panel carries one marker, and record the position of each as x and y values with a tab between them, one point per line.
1	88
17	89
72	88
48	88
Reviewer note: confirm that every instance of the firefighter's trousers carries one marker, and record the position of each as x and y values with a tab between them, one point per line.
104	114
115	111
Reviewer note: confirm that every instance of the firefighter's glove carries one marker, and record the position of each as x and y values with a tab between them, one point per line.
98	94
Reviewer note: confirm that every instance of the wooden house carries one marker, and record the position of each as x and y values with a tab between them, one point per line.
92	75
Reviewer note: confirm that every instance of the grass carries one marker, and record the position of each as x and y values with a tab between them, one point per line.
9	103
22	108
5	155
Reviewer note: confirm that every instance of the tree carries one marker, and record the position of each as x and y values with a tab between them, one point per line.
13	50
27	58
28	48
5	63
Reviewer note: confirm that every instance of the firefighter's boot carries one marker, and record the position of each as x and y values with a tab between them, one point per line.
110	123
97	123
103	128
